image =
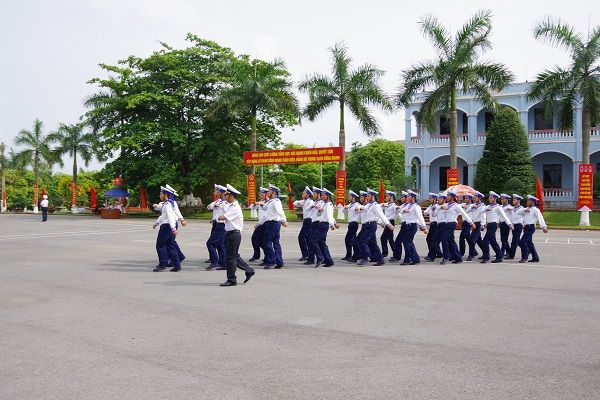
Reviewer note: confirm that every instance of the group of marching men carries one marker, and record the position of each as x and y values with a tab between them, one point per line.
479	225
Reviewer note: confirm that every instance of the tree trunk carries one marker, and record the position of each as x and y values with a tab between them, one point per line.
342	138
253	139
453	129
74	188
36	188
585	136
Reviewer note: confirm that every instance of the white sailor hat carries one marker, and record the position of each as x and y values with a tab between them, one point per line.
442	195
351	193
516	196
494	194
434	195
327	192
371	192
274	188
404	194
263	190
172	190
362	193
166	190
390	193
451	193
45	196
504	195
232	190
533	198
413	194
220	188
307	190
469	195
479	194
317	190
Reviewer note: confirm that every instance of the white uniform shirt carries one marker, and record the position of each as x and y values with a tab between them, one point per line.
317	209
531	215
178	215
494	213
389	209
453	210
327	214
477	212
218	208
412	214
167	215
352	211
234	218
516	214
432	211
507	208
374	213
441	213
273	212
44	203
306	204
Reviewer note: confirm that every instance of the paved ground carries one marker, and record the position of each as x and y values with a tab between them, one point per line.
83	317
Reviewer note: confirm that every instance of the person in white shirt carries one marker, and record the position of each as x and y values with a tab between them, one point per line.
307	211
516	217
216	241
531	216
165	241
464	238
314	211
453	210
387	236
44	207
360	210
432	211
493	215
233	220
373	217
477	214
412	216
353	218
326	222
504	227
178	216
272	219
397	256
257	235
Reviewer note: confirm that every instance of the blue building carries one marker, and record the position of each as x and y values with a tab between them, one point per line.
556	153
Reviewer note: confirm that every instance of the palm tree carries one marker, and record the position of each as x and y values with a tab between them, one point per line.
356	89
3	167
456	69
258	87
72	140
35	153
577	84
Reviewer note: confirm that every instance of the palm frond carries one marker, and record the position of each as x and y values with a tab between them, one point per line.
439	36
558	33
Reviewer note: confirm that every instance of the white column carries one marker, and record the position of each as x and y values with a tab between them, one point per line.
471	169
425	180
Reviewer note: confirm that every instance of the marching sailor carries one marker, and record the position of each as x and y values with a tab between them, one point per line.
165	240
258	231
412	216
493	214
353	218
373	217
449	242
465	230
216	241
387	236
326	222
314	209
303	237
178	216
397	249
432	211
477	214
504	227
516	217
531	216
273	218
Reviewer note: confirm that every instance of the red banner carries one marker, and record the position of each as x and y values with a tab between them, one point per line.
294	156
586	184
340	187
251	185
381	191
4	199
93	199
143	199
73	193
35	194
452	177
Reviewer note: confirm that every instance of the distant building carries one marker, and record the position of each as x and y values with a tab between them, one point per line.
556	153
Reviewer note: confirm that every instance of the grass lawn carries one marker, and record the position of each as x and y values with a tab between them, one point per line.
570	219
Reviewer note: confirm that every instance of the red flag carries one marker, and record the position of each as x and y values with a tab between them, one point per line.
93	203
43	191
143	199
381	190
539	194
290	197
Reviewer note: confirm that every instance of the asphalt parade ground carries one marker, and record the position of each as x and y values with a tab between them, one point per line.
82	316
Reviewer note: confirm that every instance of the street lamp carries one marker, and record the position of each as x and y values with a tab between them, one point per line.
275	169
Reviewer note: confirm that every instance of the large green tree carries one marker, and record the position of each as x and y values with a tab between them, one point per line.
456	70
506	164
379	159
3	167
158	116
357	90
36	152
578	84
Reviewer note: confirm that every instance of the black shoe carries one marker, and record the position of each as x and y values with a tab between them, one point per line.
496	260
158	268
508	258
207	262
347	258
484	260
456	261
308	262
404	263
469	258
181	258
221	268
269	266
249	275
415	263
211	267
427	259
228	283
480	258
532	260
523	260
253	259
262	264
328	264
362	262
175	269
279	266
303	259
384	255
379	263
443	261
169	265
393	259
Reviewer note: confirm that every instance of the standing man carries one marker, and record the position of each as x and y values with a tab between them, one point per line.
178	216
258	230
387	236
304	234
44	207
326	222
432	211
412	216
453	209
233	220
216	241
477	214
493	215
504	229
315	209
165	241
353	218
373	216
400	238
465	230
516	217
531	216
273	218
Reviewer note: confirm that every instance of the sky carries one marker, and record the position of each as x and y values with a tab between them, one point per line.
50	49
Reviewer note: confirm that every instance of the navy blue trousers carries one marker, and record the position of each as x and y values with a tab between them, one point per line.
504	233
216	245
490	240
465	238
526	244
387	237
350	238
367	249
165	247
271	246
439	239
303	237
475	238
516	237
398	243
449	246
356	244
319	244
432	245
257	241
409	246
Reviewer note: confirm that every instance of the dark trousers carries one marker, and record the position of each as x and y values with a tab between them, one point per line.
234	261
490	240
303	237
44	213
356	244
319	243
439	239
216	244
314	227
387	237
516	237
465	238
526	244
504	233
475	238
257	241
449	245
433	249
398	242
367	250
350	238
165	247
273	254
409	246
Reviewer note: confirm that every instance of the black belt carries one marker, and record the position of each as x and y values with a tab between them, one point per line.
370	222
490	223
233	231
530	225
324	222
307	219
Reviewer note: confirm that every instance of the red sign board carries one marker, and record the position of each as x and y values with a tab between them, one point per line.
4	199
73	193
340	187
586	184
251	184
294	156
452	177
